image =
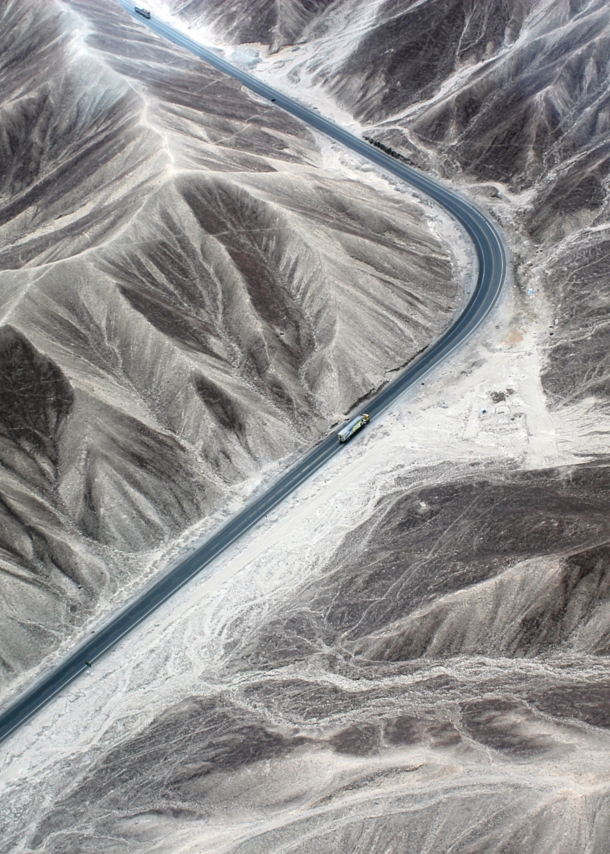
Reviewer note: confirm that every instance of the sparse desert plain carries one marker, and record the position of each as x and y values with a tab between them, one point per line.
410	654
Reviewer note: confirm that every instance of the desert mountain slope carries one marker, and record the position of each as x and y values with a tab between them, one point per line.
412	655
192	291
510	100
268	21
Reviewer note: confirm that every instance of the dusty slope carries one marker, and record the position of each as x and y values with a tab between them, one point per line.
277	24
413	655
512	96
192	291
268	710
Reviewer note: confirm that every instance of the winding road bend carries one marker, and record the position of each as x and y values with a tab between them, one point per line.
492	263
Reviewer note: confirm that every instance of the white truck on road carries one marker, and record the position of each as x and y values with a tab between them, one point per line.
354	425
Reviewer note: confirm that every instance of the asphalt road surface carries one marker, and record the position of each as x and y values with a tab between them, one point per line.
491	275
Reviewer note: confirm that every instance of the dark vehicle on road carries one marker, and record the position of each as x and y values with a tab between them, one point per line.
144	12
354	425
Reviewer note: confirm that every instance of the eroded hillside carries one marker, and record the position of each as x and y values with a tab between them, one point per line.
193	290
411	653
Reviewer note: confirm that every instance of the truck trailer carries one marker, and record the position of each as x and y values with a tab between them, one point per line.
354	425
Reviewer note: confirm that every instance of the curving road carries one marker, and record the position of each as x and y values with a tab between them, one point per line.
491	275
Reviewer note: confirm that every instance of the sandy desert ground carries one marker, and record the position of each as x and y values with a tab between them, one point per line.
411	654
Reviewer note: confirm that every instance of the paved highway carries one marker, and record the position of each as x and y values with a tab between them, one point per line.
491	275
